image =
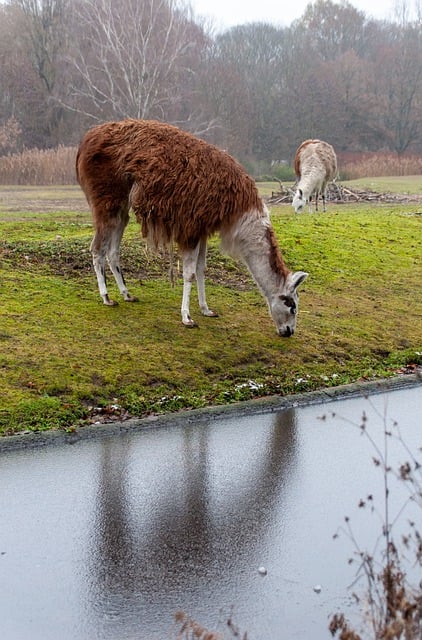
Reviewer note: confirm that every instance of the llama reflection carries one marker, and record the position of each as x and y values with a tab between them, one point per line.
196	521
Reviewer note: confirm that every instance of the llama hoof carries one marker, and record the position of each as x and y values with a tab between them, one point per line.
210	314
189	323
108	302
131	299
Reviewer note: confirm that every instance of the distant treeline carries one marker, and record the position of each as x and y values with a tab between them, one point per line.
257	90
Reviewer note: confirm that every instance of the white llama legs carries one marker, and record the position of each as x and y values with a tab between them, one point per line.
317	194
194	262
106	245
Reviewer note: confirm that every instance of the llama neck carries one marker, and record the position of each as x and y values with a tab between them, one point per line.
310	180
263	272
306	185
255	243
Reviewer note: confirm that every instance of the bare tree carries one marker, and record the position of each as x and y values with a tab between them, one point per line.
333	74
244	86
405	11
397	85
332	29
44	21
41	38
131	57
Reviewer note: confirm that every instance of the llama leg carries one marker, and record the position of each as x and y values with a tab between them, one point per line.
190	260
99	250
310	204
323	202
113	253
200	279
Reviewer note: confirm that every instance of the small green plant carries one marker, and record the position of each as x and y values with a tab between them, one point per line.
42	414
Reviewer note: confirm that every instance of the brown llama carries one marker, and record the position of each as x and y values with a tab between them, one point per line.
182	190
315	166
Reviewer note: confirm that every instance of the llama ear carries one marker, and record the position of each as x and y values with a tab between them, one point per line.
298	277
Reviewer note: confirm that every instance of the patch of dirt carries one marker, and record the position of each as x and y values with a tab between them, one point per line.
47	205
42	199
71	257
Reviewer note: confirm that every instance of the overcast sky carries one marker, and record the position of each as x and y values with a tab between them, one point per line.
227	13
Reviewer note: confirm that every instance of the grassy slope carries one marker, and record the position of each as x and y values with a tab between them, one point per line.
62	352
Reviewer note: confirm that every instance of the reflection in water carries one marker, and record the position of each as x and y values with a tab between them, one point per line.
117	534
191	529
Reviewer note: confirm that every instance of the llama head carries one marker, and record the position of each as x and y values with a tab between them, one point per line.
298	201
285	304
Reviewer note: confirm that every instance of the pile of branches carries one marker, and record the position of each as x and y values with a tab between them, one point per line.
339	194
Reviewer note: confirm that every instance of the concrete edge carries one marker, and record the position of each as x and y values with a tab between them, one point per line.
268	404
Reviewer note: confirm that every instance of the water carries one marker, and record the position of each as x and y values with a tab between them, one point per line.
108	538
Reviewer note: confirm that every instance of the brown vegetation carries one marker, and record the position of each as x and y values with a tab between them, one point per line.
391	606
359	165
39	167
190	629
56	166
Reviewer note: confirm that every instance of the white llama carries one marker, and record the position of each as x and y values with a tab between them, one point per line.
315	166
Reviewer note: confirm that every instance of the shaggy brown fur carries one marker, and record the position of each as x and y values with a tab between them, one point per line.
181	188
276	259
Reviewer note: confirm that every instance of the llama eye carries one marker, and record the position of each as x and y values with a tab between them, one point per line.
289	302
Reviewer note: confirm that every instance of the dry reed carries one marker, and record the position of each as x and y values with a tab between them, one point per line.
57	166
39	167
355	166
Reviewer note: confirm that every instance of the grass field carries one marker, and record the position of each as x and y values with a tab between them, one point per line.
66	359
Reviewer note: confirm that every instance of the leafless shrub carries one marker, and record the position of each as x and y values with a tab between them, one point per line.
391	607
39	167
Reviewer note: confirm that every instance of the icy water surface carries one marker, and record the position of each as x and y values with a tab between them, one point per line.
108	538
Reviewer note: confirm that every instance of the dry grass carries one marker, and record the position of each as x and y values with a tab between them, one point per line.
378	164
57	166
39	167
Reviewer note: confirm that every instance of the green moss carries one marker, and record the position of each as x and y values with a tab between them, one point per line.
41	414
64	355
